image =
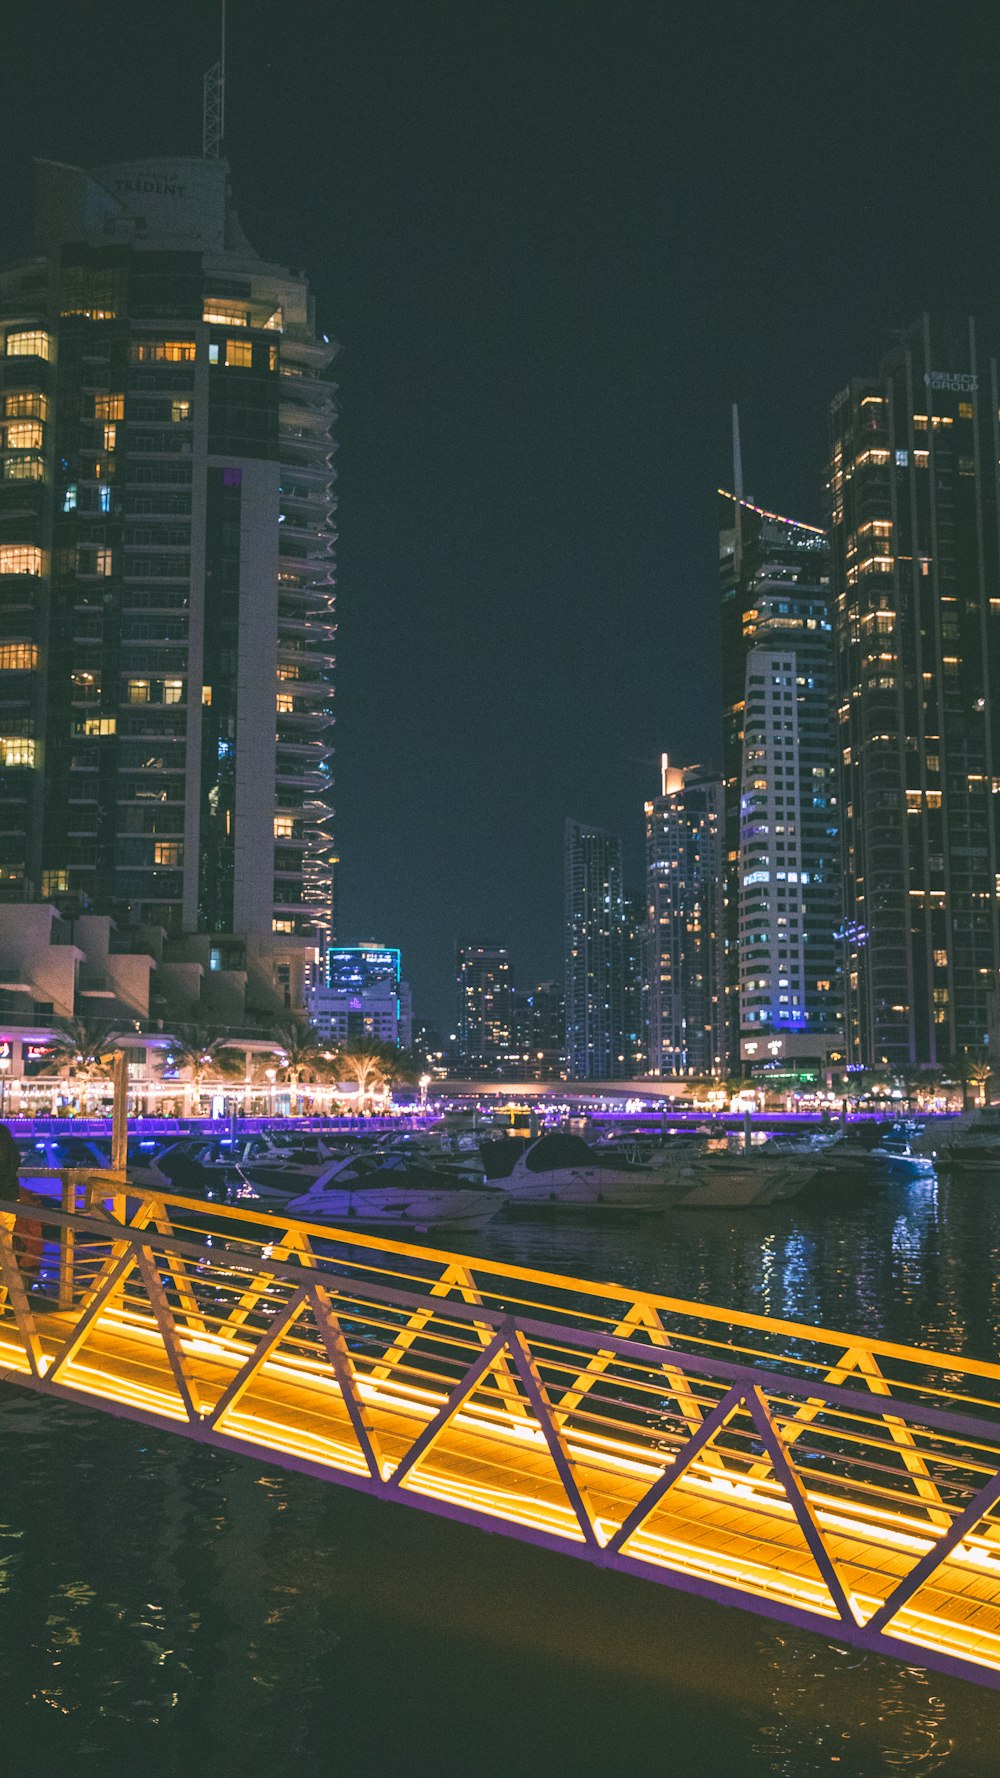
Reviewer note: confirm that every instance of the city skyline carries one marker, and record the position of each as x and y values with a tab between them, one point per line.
585	508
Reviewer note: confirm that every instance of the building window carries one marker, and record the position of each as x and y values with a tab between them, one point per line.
180	410
138	691
206	694
214	957
109	407
23	469
284	702
55	882
104	562
282	925
170	852
284	827
110	436
173	691
20	558
24	435
239	353
965	410
225	314
16	750
213	352
98	725
34	344
18	657
25	404
162	352
69	498
272	357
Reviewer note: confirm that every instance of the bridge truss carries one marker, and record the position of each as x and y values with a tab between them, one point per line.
840	1484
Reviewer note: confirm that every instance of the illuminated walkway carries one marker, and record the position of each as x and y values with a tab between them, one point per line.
844	1485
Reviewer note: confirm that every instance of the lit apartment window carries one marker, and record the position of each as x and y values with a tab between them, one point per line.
18	657
206	694
225	314
16	750
34	344
24	435
138	691
965	410
23	469
272	357
284	827
24	404
284	702
275	322
169	852
104	562
109	407
173	691
20	558
55	882
110	436
239	352
98	725
282	926
162	352
180	410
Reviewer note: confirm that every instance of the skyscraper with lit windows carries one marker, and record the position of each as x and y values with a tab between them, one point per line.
684	901
595	954
782	827
166	596
916	554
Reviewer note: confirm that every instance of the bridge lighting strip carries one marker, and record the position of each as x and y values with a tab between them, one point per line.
409	1398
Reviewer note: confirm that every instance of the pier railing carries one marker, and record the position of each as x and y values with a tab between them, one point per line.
847	1484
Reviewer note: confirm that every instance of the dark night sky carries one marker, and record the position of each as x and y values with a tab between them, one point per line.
555	240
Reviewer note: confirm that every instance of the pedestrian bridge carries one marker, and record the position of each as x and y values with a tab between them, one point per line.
840	1484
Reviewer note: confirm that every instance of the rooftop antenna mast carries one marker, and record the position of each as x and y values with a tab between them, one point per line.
213	115
738	485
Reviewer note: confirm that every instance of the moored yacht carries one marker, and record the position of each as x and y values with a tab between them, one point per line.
380	1191
558	1174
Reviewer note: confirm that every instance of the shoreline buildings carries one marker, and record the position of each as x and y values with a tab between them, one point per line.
166	593
684	944
595	954
485	1034
916	553
361	995
782	834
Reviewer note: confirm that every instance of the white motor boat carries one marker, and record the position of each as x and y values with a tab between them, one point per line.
738	1182
558	1174
388	1192
976	1147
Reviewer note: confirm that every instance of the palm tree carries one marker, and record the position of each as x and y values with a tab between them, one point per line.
299	1050
975	1068
371	1063
86	1047
205	1058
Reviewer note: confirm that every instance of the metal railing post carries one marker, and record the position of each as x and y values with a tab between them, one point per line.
67	1245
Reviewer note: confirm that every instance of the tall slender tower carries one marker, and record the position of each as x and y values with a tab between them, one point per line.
684	899
916	551
595	960
782	834
166	590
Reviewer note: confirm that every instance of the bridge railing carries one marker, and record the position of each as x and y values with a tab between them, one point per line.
825	1477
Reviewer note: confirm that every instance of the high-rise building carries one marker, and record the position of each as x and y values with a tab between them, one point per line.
684	947
782	834
635	989
166	598
486	1038
916	542
361	994
595	975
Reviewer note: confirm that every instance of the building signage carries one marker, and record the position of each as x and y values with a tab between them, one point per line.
962	382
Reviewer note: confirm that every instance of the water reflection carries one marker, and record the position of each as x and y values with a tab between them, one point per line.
165	1608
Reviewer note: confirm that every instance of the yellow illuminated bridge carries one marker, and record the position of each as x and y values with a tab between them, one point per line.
844	1485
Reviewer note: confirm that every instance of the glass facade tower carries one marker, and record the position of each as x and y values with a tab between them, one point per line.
595	954
782	832
916	551
684	898
166	594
